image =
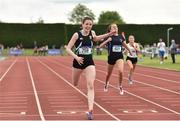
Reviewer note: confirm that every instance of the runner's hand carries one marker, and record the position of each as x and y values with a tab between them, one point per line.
80	60
111	33
130	53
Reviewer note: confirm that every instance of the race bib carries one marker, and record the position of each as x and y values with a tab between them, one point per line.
116	48
133	53
85	51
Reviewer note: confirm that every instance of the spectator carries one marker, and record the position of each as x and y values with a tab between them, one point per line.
173	49
162	48
154	51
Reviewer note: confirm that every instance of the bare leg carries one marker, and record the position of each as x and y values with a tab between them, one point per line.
76	76
120	65
131	69
90	74
109	72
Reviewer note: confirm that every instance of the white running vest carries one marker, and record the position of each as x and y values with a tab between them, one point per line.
133	51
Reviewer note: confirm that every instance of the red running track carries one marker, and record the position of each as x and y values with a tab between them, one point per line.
40	88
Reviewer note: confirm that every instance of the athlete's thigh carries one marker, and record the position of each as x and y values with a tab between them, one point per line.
129	63
120	64
76	74
110	68
90	73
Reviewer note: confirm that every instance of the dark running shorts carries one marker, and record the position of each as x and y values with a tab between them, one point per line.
88	60
133	60
112	59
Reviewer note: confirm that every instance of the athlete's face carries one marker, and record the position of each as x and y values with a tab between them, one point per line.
114	28
131	39
87	25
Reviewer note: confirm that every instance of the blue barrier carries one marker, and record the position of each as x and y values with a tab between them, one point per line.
54	52
15	52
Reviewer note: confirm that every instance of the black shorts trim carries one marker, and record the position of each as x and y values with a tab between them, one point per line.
112	59
88	60
133	60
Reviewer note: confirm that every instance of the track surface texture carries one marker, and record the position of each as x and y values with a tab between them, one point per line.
40	88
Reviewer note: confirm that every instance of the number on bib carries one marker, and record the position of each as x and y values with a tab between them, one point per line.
116	48
85	51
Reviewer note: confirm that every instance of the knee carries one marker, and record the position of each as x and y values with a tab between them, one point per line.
121	72
90	86
131	67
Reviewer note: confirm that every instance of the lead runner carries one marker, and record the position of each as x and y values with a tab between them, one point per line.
83	61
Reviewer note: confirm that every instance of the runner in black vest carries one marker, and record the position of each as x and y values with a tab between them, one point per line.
83	58
115	55
84	48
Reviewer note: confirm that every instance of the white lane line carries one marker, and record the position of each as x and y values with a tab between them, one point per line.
35	92
146	68
163	73
8	70
12	113
58	75
136	95
173	111
168	80
161	88
69	106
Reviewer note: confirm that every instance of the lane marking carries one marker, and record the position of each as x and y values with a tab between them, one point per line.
161	88
12	113
154	111
134	95
168	80
149	69
173	111
58	75
23	113
59	112
7	70
35	91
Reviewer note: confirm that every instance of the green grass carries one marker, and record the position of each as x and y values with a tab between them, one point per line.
152	62
146	60
26	52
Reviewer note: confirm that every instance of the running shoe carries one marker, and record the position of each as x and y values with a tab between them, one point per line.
121	91
90	115
106	87
129	80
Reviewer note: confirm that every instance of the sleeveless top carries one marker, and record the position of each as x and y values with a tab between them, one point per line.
133	51
84	44
115	45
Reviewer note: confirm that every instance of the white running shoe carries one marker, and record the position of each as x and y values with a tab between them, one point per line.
106	87
129	79
130	82
121	91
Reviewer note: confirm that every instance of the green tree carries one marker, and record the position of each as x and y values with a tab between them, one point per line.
79	12
40	21
107	17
